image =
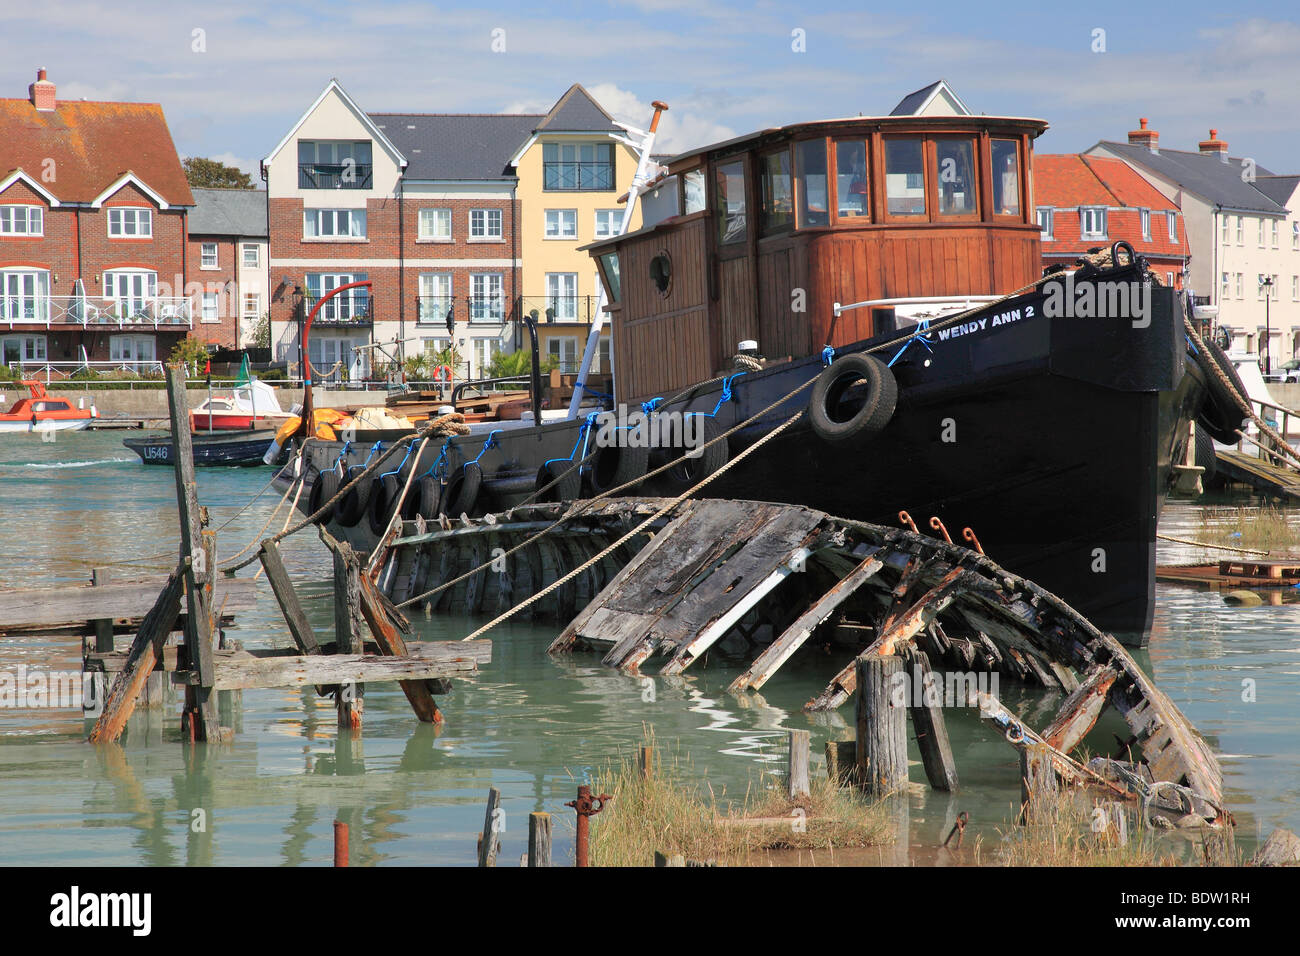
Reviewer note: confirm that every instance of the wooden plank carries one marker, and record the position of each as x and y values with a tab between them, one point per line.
1078	715
242	671
116	600
171	659
780	650
391	643
928	725
299	627
139	664
539	839
489	843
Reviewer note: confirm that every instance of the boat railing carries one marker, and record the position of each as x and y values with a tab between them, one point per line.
1279	418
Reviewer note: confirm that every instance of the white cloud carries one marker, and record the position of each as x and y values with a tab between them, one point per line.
681	128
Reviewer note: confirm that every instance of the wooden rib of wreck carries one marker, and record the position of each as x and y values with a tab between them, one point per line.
714	569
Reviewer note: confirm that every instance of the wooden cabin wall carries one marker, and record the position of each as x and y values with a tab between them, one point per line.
735	311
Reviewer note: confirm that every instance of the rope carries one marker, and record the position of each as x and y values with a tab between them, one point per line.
1203	544
301	483
401	500
258	536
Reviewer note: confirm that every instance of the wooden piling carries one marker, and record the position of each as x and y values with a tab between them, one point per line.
348	636
539	839
1037	781
797	785
882	727
103	626
928	724
340	843
489	844
841	762
391	644
646	762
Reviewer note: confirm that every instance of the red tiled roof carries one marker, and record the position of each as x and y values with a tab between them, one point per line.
92	145
1126	184
1067	181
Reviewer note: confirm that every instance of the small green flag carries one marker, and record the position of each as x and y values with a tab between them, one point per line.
244	375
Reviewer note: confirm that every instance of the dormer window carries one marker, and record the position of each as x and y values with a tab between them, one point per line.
331	164
578	166
130	222
1045	221
1145	216
1092	222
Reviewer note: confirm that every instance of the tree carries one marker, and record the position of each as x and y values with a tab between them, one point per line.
507	364
211	174
262	332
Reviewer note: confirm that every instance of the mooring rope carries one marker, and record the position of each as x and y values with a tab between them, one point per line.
1206	544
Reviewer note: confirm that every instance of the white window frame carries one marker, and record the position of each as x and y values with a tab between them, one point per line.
210	307
1169	279
1241	285
1295	235
141	216
612	220
488	217
136	300
1173	227
1050	214
1274	234
33	220
203	256
255	312
1144	215
132	348
425	234
1261	232
1295	288
435	312
1088	212
1226	230
565	303
24	294
1226	285
482	286
256	250
357	226
556	221
482	349
556	352
32	347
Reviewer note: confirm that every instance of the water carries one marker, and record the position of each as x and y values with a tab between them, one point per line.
530	725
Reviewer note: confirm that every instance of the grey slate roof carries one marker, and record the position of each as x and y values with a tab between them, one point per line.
457	146
577	112
910	103
1280	189
1205	175
228	212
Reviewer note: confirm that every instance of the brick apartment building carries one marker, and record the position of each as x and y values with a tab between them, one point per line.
228	256
1089	201
93	255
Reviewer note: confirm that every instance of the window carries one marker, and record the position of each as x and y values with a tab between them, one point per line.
1272	289
130	222
132	292
485	303
810	167
563	352
1295	288
334	224
208	255
484	225
1240	286
1045	221
730	199
484	351
562	295
851	179
1092	222
334	165
1240	241
601	364
585	166
904	176
1224	231
436	347
776	205
1006	177
348	306
434	303
1173	227
210	309
25	294
693	192
1227	280
16	349
1144	216
435	225
955	177
22	221
1274	233
1295	235
132	349
561	224
1261	233
252	307
334	357
609	276
1169	279
252	255
610	221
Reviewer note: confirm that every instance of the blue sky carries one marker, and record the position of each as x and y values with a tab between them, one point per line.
724	68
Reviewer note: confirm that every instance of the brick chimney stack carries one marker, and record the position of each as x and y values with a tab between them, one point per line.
1213	145
41	92
1144	137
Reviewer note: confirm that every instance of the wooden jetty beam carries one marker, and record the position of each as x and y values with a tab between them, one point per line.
928	724
1081	709
389	639
241	671
29	610
173	658
294	615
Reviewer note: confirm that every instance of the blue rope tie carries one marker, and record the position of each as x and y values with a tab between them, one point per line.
346	446
828	355
922	335
726	393
438	462
651	405
583	433
399	467
490	443
592	391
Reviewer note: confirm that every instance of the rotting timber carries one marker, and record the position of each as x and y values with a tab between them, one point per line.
777	577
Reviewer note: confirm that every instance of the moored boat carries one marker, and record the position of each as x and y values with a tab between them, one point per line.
41	412
247	406
230	448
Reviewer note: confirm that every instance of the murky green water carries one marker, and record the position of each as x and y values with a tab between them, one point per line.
530	725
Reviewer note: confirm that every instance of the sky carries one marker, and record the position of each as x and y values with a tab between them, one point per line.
234	76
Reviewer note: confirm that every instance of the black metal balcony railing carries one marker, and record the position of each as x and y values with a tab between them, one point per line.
560	308
334	175
346	309
578	176
434	309
487	309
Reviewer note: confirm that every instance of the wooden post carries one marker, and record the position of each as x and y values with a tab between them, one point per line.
539	839
841	762
489	843
103	625
882	727
391	644
928	724
646	762
797	764
200	548
282	587
340	843
1037	781
348	637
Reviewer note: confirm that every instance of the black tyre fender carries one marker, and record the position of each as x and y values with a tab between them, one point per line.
1220	415
615	465
569	486
353	506
423	499
836	416
383	496
323	489
1205	455
461	493
700	462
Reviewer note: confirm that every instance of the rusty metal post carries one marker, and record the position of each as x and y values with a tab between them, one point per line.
586	806
340	843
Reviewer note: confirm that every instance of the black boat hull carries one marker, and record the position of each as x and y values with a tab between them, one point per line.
223	451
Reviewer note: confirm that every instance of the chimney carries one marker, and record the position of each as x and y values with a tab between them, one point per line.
41	92
1213	146
1144	137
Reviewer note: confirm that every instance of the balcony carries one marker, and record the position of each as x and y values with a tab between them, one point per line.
487	309
349	310
558	176
335	175
126	312
579	309
434	309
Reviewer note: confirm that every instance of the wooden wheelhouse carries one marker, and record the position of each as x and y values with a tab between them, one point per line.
771	230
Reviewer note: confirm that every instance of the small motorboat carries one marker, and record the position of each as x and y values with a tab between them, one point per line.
237	448
40	412
246	407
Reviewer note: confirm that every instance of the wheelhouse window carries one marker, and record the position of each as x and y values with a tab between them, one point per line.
578	166
485	225
25	295
851	179
435	225
693	192
776	205
1092	222
130	222
954	167
810	172
22	221
609	276
729	198
1006	177
905	176
334	165
334	224
1045	221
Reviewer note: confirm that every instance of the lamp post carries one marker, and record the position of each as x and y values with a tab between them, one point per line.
1266	283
